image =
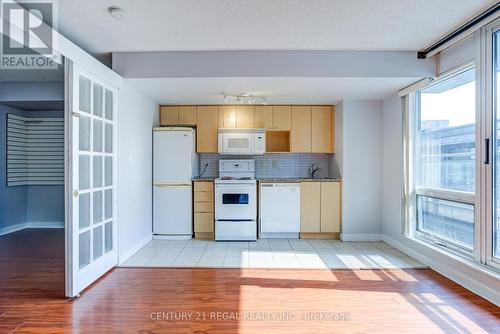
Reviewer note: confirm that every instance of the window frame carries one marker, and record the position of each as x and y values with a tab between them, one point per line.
444	194
488	101
455	247
484	189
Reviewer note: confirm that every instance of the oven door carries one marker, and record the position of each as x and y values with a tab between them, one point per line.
235	202
236	143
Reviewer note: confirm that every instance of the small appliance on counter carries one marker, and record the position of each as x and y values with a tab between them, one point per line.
175	162
242	141
236	201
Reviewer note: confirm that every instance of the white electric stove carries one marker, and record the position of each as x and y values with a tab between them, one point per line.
236	201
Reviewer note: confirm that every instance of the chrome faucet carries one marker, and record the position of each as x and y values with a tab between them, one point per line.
313	170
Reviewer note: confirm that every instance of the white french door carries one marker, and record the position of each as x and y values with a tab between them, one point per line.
91	226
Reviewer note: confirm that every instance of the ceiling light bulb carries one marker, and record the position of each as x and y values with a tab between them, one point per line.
117	13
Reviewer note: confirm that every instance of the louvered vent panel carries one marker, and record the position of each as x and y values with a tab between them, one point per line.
35	151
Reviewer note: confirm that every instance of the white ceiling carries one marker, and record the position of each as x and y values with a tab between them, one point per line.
159	25
276	90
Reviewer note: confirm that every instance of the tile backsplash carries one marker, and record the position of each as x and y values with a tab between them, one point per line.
272	165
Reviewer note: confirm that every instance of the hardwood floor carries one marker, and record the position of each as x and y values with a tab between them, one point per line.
228	300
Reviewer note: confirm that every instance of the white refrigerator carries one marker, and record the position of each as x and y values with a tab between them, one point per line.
175	163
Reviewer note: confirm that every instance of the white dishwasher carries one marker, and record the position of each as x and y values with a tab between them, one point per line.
279	210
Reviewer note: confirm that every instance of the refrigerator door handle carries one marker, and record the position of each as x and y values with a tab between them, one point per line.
172	185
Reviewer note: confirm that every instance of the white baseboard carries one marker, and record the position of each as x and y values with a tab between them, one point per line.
407	250
172	237
468	276
22	226
13	228
134	249
360	237
46	225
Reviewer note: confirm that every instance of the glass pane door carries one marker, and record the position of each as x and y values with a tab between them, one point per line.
496	146
95	155
93	227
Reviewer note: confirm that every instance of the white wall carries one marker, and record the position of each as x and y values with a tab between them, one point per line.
137	116
358	159
392	166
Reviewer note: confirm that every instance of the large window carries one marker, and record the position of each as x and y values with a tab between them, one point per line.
445	161
452	151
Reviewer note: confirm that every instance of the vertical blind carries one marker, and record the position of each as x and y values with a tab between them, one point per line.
35	151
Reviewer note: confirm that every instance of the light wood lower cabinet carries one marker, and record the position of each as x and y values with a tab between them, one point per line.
203	207
310	207
320	209
330	207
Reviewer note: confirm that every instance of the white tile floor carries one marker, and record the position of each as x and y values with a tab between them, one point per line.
271	253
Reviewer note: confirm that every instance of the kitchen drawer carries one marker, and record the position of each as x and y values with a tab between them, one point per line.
204	186
203	207
203	222
203	196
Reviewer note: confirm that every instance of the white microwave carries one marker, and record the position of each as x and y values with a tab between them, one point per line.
242	141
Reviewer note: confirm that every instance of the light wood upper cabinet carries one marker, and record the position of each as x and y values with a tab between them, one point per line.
264	117
300	135
236	116
322	124
187	115
330	207
298	129
282	119
227	116
177	115
169	115
207	125
310	207
245	116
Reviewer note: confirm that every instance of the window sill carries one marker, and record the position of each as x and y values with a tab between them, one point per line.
482	268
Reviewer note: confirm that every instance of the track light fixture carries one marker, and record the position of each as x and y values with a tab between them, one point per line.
244	98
